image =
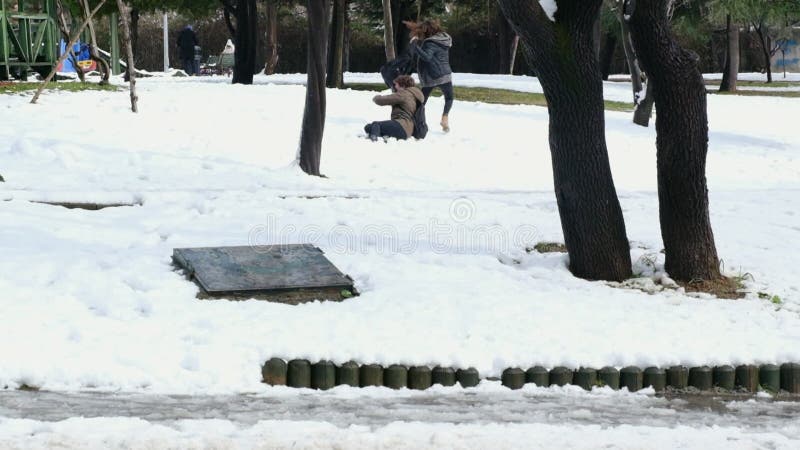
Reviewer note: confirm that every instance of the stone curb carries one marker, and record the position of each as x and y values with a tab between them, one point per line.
324	375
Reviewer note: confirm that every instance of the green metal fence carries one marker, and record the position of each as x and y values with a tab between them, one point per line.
27	38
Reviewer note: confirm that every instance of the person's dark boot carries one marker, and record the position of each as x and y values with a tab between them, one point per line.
374	132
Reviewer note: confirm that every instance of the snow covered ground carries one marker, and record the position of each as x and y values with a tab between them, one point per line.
433	232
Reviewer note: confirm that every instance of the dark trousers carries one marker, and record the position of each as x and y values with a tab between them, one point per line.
388	128
447	90
188	66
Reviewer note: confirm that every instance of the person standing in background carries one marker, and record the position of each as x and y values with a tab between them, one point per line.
187	40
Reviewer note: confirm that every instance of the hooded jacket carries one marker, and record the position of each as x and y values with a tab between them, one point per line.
404	104
186	42
433	59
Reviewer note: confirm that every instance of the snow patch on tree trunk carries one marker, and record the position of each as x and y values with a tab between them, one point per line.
549	7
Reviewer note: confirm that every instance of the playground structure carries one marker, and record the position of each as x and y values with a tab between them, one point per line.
28	38
31	41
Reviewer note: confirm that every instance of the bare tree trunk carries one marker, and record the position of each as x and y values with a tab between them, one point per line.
607	55
513	51
126	39
63	56
105	69
135	32
63	26
272	37
597	33
730	74
246	42
502	45
245	37
681	143
388	31
336	57
347	29
762	39
642	94
310	152
630	57
564	57
643	109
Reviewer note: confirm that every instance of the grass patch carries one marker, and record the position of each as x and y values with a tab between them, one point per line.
774	299
549	247
16	87
722	287
494	96
746	93
777	83
774	84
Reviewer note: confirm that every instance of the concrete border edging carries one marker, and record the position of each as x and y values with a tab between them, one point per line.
746	378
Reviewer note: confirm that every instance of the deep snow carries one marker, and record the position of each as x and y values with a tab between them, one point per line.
433	232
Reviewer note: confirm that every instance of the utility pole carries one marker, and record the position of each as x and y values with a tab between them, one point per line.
166	42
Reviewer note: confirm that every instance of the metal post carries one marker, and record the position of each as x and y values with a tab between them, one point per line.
115	66
51	41
24	36
166	43
4	40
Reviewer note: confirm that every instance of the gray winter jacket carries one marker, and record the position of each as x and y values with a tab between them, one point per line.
433	59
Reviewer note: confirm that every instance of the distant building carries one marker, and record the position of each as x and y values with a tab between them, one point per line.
788	56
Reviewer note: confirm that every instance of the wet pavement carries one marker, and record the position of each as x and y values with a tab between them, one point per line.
345	407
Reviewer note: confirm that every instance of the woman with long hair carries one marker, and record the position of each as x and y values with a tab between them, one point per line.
431	45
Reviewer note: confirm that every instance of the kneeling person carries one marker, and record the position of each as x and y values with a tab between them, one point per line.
404	103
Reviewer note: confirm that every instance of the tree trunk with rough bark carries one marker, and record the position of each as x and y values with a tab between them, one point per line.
681	143
272	37
310	152
597	34
564	57
126	40
731	71
336	56
388	31
245	37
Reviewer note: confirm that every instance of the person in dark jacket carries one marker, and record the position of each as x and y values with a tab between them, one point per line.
187	40
431	46
404	104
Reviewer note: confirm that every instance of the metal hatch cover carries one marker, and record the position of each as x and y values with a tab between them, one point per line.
268	272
